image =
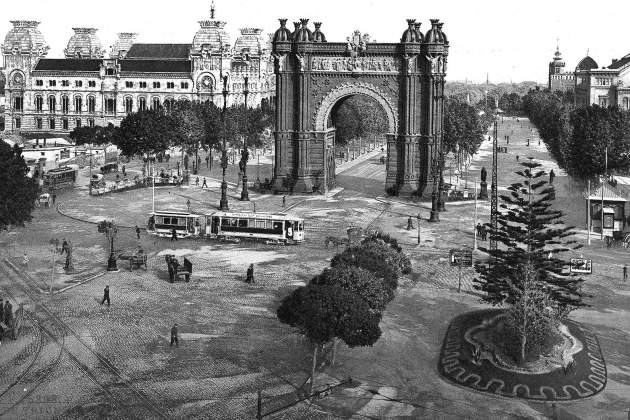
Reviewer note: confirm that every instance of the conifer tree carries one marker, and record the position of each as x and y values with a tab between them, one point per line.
530	233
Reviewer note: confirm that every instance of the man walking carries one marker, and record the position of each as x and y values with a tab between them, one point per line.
250	274
54	197
284	201
204	185
138	232
173	235
625	272
552	175
106	295
64	246
174	336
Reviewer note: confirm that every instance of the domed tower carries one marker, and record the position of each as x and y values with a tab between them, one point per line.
318	35
23	46
250	42
123	44
435	52
556	68
84	44
211	36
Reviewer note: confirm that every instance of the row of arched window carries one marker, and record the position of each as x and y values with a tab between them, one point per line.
77	102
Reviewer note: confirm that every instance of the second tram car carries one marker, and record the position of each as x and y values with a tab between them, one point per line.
279	227
61	177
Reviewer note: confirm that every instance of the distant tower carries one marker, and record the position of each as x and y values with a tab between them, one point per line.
556	69
487	83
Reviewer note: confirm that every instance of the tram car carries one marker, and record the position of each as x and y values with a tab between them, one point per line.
279	227
186	225
64	176
226	225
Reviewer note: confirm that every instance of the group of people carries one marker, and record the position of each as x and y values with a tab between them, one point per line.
482	233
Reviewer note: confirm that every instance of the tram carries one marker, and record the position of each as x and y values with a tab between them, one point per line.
61	177
279	227
186	225
226	225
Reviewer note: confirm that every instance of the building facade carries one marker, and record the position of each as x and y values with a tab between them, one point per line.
87	88
592	85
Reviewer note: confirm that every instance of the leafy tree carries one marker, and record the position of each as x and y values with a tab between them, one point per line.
145	132
372	257
527	230
17	191
323	313
358	117
358	281
400	262
463	130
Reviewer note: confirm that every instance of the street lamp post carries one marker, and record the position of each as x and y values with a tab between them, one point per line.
435	215
223	203
111	233
419	220
494	195
245	154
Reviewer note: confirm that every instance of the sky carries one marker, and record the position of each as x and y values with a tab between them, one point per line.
508	41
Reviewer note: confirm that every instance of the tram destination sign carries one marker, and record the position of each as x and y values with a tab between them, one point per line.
461	257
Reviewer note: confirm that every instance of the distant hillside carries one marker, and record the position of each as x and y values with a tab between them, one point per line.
460	90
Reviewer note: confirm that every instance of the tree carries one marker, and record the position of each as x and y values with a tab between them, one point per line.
463	130
323	313
358	281
145	132
17	191
528	230
372	257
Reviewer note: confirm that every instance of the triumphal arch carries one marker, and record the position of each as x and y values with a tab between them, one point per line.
312	75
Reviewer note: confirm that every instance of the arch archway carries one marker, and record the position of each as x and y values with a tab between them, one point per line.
405	78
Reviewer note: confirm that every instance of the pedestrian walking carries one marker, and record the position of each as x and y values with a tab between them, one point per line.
552	175
284	201
188	205
409	223
208	161
479	230
249	278
64	246
197	181
174	336
625	272
124	170
517	158
173	235
54	198
106	295
138	232
204	185
56	242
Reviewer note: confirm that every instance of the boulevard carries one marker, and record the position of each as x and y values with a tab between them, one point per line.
77	358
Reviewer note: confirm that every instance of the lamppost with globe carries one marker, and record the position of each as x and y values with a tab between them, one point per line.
223	203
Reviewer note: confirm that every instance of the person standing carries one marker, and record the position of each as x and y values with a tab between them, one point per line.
284	201
138	232
625	272
106	295
204	185
54	198
173	235
56	244
64	246
517	158
250	274
174	336
552	175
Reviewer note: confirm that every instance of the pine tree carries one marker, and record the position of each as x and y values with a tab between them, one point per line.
530	233
17	191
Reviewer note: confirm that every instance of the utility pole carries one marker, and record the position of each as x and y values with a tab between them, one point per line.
52	273
475	220
419	220
588	213
494	198
223	203
245	155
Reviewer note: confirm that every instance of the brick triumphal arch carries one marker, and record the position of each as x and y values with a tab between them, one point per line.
405	78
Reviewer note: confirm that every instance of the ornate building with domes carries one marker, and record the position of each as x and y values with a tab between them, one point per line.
87	88
592	85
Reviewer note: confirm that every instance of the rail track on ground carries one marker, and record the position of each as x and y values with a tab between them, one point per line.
118	388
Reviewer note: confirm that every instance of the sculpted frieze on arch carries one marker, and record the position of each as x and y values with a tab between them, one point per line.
371	64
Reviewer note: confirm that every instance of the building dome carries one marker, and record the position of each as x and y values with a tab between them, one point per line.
416	26
23	38
444	38
435	35
84	44
304	34
250	42
282	34
410	34
211	35
296	30
587	63
557	59
123	44
318	35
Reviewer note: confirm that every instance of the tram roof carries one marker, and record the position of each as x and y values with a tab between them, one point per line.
173	213
62	169
252	215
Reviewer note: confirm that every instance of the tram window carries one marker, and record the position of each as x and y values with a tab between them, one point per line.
233	222
277	226
242	223
301	226
166	220
225	222
174	221
260	224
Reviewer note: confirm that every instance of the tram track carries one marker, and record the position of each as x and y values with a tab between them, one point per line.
104	375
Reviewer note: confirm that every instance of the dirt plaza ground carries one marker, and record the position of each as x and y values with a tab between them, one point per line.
79	359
